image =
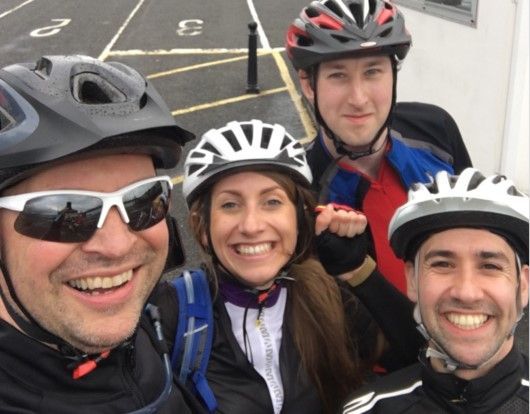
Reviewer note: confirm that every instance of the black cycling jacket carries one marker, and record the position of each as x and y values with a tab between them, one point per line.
34	378
418	389
239	388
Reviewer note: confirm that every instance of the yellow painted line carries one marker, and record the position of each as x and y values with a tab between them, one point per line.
307	122
227	101
15	8
106	51
201	65
163	52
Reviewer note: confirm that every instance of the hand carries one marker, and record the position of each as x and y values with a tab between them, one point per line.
342	243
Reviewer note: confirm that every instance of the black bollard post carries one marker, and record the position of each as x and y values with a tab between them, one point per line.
252	72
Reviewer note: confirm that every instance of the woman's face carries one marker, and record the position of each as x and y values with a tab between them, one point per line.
253	227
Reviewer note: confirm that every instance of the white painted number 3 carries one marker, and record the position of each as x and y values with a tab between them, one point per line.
50	30
192	27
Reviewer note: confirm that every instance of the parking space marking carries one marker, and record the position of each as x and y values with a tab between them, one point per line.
307	122
262	37
15	8
227	101
201	65
265	50
113	41
165	52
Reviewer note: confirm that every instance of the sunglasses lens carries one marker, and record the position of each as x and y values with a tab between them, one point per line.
147	204
60	218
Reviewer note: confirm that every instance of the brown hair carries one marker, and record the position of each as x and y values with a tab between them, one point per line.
316	318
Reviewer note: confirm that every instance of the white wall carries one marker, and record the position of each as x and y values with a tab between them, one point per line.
468	71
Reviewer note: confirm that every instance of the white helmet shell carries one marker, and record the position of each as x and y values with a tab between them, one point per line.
466	200
243	144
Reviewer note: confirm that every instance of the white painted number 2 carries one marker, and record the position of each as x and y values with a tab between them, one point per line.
192	27
50	30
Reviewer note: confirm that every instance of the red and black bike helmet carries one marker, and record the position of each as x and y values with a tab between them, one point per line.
332	29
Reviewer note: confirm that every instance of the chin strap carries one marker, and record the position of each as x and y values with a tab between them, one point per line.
434	349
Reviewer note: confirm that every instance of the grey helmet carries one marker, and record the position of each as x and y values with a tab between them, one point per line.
62	106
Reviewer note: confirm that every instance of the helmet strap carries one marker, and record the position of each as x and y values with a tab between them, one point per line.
26	323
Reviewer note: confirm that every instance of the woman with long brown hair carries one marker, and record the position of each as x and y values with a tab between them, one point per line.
288	338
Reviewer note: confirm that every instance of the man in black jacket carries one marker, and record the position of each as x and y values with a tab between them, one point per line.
369	149
83	239
465	242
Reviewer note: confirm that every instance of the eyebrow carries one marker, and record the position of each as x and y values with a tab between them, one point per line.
375	61
482	254
264	191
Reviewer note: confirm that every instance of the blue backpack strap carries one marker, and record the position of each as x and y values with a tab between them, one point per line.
194	336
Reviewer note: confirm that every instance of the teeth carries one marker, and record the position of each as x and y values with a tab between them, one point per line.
255	249
104	282
467	321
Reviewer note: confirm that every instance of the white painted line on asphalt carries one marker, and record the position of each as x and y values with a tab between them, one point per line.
262	37
106	51
15	8
201	65
162	52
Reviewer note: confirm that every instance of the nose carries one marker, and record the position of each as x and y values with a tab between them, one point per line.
113	239
466	285
357	94
251	221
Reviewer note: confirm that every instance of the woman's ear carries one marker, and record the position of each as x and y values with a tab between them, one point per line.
204	240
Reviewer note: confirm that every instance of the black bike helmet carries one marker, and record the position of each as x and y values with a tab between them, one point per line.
332	29
65	106
467	200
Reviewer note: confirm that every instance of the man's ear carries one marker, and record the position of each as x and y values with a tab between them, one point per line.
412	287
306	86
524	286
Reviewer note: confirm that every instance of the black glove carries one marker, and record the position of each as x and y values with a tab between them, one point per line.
338	254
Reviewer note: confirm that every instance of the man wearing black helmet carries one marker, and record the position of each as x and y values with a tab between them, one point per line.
370	149
83	239
465	242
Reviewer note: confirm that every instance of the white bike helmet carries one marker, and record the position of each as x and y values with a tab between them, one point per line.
243	144
467	200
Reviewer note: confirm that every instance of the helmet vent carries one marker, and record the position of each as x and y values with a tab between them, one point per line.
357	13
266	137
286	141
194	167
334	8
232	140
210	148
43	67
311	12
303	41
341	39
90	88
143	100
386	32
248	130
372	5
475	180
